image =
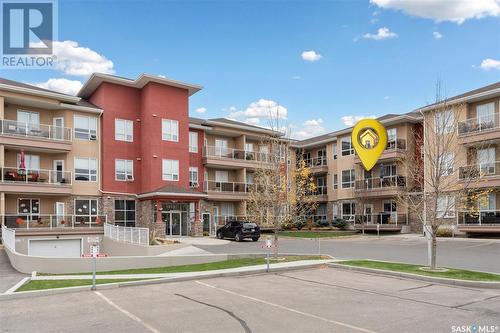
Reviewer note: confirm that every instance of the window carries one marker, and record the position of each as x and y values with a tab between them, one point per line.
392	134
170	170
85	127
31	162
447	161
193	142
487	202
335	182
31	119
28	208
348	178
444	122
445	207
322	156
335	210
227	209
348	211
170	130
221	176
124	130
387	170
390	206
486	161
193	176
347	148
335	150
124	170
85	169
85	210
484	112
125	213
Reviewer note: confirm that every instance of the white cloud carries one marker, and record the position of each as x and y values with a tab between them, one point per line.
311	56
387	97
65	86
310	128
443	10
351	120
201	110
382	33
262	109
489	63
437	35
73	59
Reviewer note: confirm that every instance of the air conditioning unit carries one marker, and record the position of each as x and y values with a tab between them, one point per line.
193	184
130	178
93	137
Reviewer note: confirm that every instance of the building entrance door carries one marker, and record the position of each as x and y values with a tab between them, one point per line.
206	223
173	224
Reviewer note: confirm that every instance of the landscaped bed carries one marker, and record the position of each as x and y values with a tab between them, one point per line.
232	263
317	234
450	273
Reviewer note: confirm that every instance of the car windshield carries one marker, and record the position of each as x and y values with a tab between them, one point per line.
249	225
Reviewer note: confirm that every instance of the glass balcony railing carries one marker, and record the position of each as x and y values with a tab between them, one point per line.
380	183
20	129
479	124
35	176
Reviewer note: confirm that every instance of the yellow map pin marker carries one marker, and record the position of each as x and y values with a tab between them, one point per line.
369	139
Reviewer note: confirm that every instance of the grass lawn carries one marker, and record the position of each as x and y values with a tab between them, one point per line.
233	263
51	284
459	274
316	234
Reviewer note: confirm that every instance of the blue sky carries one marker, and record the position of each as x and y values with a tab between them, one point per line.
249	51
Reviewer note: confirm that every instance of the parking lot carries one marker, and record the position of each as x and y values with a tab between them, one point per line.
319	300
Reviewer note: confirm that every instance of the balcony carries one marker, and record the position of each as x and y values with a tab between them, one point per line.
485	221
16	180
321	193
46	223
20	134
229	158
385	221
227	190
394	150
383	186
481	175
317	164
479	129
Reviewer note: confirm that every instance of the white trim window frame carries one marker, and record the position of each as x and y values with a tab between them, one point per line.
33	211
193	142
88	171
170	130
444	121
445	207
84	127
193	177
352	178
170	170
447	163
346	146
124	170
124	130
86	209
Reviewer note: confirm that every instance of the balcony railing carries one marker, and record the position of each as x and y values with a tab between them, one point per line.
22	129
35	176
380	183
238	154
398	144
44	221
315	162
227	187
320	190
384	218
484	217
479	170
479	124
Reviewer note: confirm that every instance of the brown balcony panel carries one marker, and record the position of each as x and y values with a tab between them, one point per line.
60	231
319	169
39	143
35	188
227	163
492	135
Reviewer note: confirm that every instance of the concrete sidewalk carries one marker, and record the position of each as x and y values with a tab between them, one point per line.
245	269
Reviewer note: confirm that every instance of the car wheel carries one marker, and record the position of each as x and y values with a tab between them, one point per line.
255	239
219	235
238	237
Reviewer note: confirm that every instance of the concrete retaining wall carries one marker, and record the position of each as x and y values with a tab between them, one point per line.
121	249
28	264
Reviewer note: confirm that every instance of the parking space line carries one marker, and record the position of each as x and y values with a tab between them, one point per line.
128	314
282	307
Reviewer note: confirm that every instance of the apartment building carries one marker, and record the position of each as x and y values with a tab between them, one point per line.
473	157
345	190
49	163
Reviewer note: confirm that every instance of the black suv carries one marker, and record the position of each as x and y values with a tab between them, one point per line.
239	230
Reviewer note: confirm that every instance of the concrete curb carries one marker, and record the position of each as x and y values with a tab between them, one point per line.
46	292
453	282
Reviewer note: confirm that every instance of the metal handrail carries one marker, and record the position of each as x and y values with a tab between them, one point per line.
231	187
237	154
35	176
380	182
34	221
316	161
479	170
23	129
479	124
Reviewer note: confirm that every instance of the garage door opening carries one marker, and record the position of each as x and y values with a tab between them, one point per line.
55	247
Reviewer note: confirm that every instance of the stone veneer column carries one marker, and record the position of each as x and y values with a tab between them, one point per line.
159	225
197	229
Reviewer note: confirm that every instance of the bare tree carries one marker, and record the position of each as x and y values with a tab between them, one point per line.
436	189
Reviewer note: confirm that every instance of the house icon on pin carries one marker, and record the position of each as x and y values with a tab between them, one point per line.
368	139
